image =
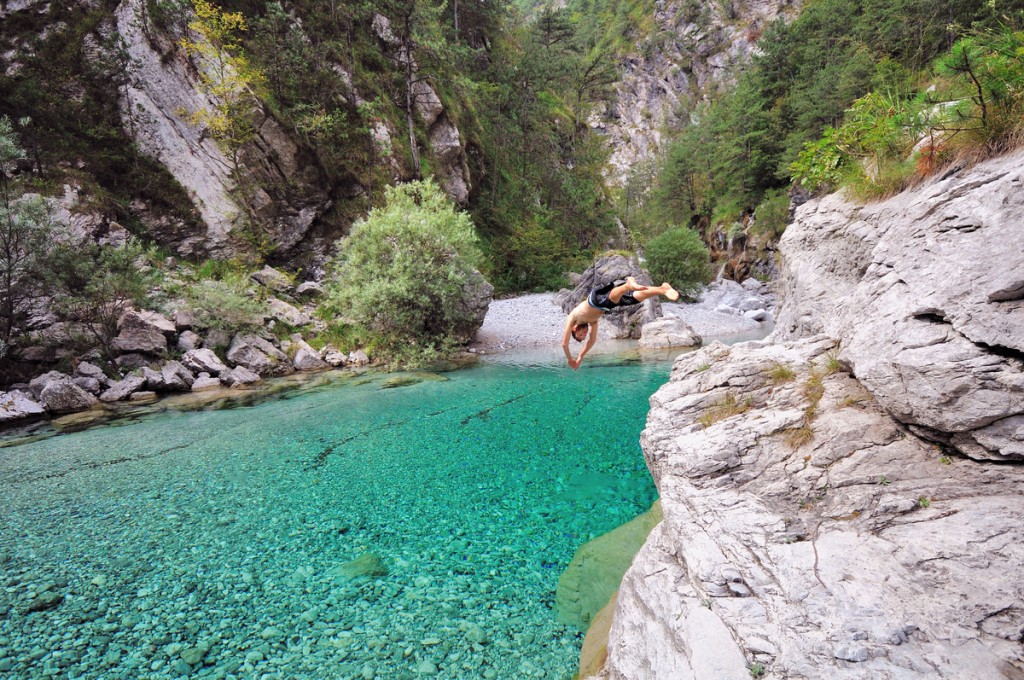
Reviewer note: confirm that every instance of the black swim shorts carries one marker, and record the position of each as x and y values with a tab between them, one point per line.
598	298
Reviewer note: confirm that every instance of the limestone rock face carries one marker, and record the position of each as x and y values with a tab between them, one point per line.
122	388
204	381
189	341
142	332
286	194
668	332
290	314
695	47
240	375
926	291
258	355
818	544
203	361
306	358
15	405
476	298
176	377
627	322
271	278
445	139
310	289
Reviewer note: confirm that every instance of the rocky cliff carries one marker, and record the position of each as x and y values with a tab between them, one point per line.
695	48
831	503
268	192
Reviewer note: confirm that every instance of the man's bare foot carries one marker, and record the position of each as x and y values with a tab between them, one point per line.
670	292
633	285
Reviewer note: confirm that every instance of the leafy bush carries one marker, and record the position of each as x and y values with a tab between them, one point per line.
401	271
25	237
94	285
229	303
772	215
679	257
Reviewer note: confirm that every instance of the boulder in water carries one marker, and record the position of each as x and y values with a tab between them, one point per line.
593	575
366	566
670	331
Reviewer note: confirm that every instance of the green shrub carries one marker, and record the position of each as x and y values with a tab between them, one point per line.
772	214
229	303
401	271
679	257
94	285
973	107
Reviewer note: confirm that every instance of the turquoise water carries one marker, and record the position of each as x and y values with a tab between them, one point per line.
211	543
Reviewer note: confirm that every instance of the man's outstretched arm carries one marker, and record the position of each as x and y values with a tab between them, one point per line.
566	336
591	339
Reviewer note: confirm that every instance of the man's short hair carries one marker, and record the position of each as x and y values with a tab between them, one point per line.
578	327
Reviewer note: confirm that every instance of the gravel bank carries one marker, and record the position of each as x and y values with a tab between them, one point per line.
535	321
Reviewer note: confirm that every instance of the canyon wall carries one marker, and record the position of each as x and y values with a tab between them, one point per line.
695	48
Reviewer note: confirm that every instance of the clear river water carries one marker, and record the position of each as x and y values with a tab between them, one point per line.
252	542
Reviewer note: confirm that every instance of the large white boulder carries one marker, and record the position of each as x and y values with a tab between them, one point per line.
669	331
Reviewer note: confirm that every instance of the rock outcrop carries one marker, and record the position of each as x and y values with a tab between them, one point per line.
445	140
926	292
284	193
831	505
16	405
626	322
476	298
59	394
668	332
807	532
142	332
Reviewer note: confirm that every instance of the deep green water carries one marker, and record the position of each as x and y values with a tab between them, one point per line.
220	529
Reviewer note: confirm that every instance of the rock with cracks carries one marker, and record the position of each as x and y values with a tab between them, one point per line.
926	291
804	530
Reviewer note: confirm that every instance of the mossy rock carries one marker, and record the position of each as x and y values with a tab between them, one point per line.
597	568
406	379
366	566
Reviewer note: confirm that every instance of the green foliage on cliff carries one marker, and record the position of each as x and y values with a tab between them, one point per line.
973	106
540	207
403	271
94	285
228	302
63	97
806	79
